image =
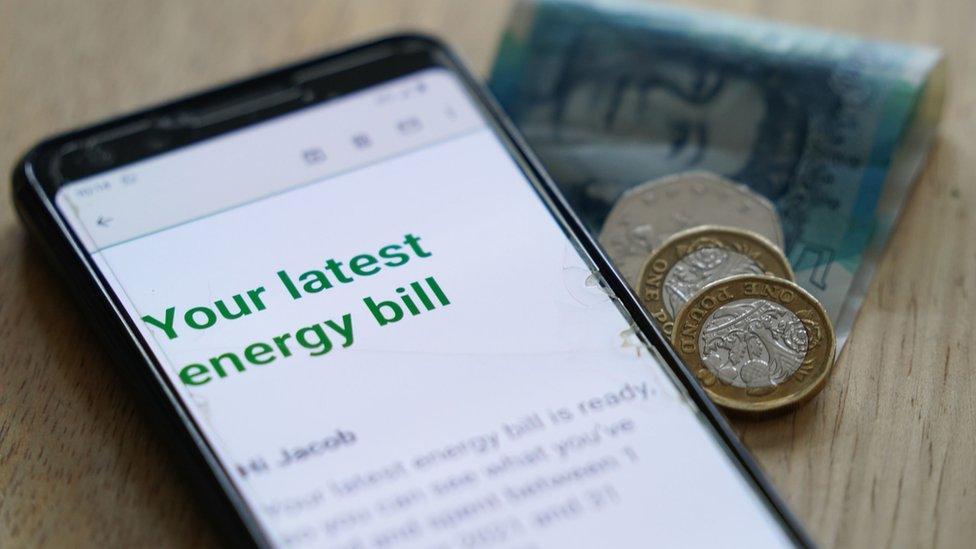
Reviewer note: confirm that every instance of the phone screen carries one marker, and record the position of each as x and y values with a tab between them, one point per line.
388	339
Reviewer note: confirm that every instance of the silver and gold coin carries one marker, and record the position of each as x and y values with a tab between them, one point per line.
757	344
692	259
647	215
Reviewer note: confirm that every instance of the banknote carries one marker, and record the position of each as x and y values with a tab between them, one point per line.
831	129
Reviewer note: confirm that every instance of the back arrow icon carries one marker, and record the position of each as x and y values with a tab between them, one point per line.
103	221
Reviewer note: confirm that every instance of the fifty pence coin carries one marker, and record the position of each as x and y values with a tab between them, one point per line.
692	259
645	216
757	344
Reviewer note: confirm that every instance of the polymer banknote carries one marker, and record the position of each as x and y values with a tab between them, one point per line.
831	129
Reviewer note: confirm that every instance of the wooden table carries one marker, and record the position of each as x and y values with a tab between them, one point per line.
885	456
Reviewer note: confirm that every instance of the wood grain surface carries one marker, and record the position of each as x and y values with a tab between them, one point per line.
884	457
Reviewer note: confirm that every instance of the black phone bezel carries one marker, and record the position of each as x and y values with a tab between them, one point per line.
37	177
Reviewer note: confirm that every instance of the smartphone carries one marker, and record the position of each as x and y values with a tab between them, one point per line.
365	317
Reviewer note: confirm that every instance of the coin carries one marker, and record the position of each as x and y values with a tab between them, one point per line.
757	344
689	260
645	216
